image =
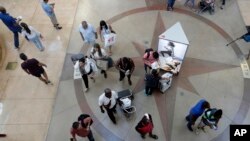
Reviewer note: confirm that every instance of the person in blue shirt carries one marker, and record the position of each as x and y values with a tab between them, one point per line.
49	10
12	24
196	112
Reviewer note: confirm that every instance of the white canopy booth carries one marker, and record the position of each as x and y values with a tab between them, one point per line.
169	52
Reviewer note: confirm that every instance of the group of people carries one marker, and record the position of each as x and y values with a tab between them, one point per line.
107	102
151	61
30	66
210	116
89	68
30	33
89	34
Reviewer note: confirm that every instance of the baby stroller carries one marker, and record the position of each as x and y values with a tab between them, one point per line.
207	5
125	98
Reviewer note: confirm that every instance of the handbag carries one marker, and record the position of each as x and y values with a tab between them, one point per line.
102	64
109	39
77	73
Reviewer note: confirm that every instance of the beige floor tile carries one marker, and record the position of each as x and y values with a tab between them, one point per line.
32	111
25	132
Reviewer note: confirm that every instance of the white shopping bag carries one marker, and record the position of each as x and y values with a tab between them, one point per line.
109	39
77	73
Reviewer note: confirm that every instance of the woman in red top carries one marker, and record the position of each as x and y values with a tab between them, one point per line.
146	126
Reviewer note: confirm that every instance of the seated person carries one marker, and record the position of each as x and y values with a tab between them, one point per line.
152	81
149	57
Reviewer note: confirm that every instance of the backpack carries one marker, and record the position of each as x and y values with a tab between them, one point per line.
209	114
148	51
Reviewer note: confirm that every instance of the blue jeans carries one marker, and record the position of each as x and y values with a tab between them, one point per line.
37	43
90	136
171	3
16	39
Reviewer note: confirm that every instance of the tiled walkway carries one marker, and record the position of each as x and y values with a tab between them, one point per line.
33	111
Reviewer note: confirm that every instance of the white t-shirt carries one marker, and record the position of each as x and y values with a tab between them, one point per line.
96	54
33	33
89	33
103	100
105	31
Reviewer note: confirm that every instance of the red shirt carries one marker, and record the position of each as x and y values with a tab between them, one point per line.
146	128
82	132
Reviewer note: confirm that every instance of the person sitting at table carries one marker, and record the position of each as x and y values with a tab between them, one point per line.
152	81
149	57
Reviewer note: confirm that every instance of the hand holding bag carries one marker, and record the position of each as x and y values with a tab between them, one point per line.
77	73
109	39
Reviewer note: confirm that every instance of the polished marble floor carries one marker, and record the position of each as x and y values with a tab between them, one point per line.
33	111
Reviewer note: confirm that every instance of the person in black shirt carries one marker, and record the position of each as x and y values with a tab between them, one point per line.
152	81
126	67
35	68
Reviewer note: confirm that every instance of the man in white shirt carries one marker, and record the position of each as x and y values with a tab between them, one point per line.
88	33
108	101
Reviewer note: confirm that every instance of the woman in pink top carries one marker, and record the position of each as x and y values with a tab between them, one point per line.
149	58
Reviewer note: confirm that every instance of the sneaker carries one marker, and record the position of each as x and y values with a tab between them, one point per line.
58	27
93	79
86	90
114	122
190	128
120	79
153	136
105	75
143	136
187	118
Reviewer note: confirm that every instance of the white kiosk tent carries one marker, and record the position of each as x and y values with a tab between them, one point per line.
176	35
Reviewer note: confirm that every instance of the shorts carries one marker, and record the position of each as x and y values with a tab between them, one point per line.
38	73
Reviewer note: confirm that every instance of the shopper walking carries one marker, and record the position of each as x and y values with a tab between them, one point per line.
196	112
49	10
12	24
82	128
88	33
99	53
32	35
145	126
87	68
126	67
35	68
104	30
108	101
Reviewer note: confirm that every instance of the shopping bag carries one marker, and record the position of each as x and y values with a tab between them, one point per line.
109	39
77	73
102	64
